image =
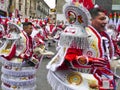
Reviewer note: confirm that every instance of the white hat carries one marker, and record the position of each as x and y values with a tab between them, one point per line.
77	15
74	36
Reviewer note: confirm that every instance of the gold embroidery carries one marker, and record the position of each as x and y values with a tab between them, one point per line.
74	78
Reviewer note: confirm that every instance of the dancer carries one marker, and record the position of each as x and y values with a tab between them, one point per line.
17	56
82	62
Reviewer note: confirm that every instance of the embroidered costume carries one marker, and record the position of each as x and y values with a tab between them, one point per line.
19	65
82	62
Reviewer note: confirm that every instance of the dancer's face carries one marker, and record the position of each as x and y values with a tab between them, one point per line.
99	22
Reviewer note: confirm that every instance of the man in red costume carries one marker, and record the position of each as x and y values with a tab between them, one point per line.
101	46
25	49
99	53
74	57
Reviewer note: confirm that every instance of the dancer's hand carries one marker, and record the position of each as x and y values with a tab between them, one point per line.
98	62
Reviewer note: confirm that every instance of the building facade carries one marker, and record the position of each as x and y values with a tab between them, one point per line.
116	5
3	7
24	8
59	5
42	9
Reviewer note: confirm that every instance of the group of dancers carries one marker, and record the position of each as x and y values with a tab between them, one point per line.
86	48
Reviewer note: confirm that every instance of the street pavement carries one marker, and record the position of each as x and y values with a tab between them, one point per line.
41	82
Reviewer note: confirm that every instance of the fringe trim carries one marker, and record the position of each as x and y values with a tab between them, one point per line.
19	88
20	73
10	63
55	83
58	80
18	83
74	36
74	42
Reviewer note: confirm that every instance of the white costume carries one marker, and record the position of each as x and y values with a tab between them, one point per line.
77	64
16	74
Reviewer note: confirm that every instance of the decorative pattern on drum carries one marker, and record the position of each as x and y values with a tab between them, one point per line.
74	78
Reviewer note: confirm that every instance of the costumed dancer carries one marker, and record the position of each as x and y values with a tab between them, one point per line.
51	27
2	32
17	56
113	31
81	62
39	45
44	31
101	46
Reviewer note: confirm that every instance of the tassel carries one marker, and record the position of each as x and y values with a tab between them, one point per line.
74	42
55	83
75	37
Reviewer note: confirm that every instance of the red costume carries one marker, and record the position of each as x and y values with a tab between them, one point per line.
101	46
26	47
17	49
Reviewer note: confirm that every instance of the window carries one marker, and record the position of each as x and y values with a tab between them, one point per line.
25	7
20	3
116	5
116	2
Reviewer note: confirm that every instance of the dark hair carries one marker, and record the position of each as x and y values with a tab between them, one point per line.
95	12
26	24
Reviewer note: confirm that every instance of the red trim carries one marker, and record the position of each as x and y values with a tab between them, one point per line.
26	41
99	40
12	53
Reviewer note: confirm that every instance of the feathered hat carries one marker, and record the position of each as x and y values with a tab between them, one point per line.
74	34
76	13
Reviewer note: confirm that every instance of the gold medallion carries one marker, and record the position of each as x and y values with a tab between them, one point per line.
74	78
